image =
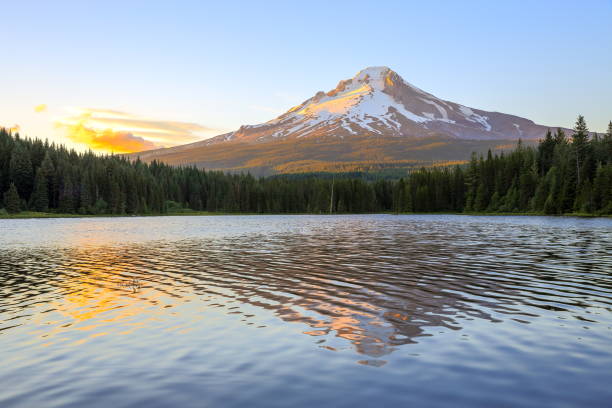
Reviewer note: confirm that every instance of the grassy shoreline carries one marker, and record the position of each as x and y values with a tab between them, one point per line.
34	214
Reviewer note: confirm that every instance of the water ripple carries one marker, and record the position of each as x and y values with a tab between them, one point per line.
365	287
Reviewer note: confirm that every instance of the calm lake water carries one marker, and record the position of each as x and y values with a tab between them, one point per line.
265	311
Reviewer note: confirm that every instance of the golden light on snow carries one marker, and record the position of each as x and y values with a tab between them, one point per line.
340	104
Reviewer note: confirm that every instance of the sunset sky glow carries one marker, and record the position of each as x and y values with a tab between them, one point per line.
119	77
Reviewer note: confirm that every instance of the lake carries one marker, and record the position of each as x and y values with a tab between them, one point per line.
342	311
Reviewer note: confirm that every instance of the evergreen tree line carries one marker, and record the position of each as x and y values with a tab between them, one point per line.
560	175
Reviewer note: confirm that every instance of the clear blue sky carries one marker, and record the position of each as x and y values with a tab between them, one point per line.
222	64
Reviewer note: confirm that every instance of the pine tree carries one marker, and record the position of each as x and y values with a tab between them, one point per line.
85	197
480	201
472	182
602	189
546	150
584	200
494	203
579	143
607	145
21	172
48	171
39	200
12	201
560	137
550	208
66	196
398	204
115	198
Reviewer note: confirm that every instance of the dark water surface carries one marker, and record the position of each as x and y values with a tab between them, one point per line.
264	311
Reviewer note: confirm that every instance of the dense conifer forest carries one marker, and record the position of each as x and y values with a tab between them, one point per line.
563	174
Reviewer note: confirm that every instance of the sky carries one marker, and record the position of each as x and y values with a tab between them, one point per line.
132	75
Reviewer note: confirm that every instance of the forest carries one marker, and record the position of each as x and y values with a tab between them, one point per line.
563	174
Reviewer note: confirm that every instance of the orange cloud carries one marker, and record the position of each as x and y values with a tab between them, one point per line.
112	130
103	112
14	129
165	130
107	139
40	108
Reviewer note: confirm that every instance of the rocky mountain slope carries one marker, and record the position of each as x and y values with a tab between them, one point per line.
374	117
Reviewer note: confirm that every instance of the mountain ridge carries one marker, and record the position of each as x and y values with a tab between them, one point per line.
375	105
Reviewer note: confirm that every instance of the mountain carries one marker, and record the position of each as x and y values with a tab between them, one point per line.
373	119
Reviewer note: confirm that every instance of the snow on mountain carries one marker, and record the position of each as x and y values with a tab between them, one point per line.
378	102
374	117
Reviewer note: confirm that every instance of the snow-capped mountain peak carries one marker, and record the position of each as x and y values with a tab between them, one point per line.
378	102
353	104
374	118
374	76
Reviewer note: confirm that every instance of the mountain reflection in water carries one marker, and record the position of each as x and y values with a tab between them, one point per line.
363	286
375	293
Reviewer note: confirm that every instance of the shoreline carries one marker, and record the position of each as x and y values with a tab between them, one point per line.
41	215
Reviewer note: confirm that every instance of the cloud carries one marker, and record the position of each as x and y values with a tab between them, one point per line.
40	108
117	131
107	139
103	112
168	130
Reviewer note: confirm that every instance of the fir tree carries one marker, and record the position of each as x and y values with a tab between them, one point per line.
39	200
85	196
546	151
12	201
66	196
579	143
48	171
21	172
